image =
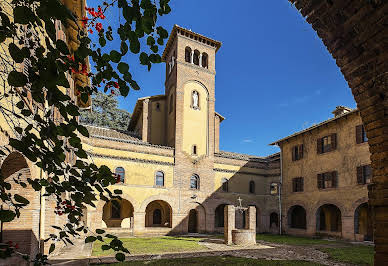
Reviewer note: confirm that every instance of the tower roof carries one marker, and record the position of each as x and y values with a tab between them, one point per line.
190	34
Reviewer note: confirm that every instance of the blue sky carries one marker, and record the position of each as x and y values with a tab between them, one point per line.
274	75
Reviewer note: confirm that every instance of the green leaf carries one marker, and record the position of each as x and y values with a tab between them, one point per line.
135	46
102	41
118	191
115	56
21	199
90	239
100	231
120	256
123	67
81	154
7	215
105	247
62	47
20	105
144	59
150	41
23	15
123	48
17	79
52	248
83	130
15	53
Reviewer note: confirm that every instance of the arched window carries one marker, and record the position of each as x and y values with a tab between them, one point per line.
196	57
194	182
188	54
120	174
194	150
159	179
115	209
225	186
252	187
205	60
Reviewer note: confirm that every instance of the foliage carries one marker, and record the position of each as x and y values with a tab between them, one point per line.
218	261
34	71
154	245
105	112
359	255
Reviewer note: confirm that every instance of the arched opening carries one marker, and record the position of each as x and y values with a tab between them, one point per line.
252	187
225	186
188	55
240	219
118	213
219	215
273	222
15	167
205	60
194	182
159	179
297	217
328	218
192	226
158	214
196	57
363	222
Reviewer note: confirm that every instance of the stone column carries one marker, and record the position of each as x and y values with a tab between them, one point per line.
251	218
138	223
229	223
192	57
348	227
200	60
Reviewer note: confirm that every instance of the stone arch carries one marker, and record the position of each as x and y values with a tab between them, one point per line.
188	54
115	211
297	217
158	213
329	218
199	82
363	229
196	56
219	216
161	197
360	53
205	60
273	221
101	203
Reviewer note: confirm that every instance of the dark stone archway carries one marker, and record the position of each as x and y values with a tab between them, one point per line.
354	32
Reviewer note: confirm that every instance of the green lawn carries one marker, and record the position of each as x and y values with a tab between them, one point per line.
217	261
153	245
359	255
291	240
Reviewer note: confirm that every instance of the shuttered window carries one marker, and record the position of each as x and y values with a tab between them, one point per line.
364	174
297	152
327	180
361	134
297	184
327	143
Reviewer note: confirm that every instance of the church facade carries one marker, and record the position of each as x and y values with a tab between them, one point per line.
173	176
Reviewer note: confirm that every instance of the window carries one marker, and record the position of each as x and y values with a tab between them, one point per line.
225	186
297	184
157	106
115	209
196	57
327	143
327	180
252	187
364	174
194	182
194	149
297	152
159	179
361	134
274	189
205	60
188	54
120	174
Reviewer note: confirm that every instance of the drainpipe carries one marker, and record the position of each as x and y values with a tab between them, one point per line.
280	192
40	215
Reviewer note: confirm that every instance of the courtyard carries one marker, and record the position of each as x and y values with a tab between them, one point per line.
210	250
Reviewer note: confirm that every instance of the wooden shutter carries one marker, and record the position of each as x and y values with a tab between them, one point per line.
359	134
334	179
301	188
320	181
300	151
319	145
333	141
360	178
293	153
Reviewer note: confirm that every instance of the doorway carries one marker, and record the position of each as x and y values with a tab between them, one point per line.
193	221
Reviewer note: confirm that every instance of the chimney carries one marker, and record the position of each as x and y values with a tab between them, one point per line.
341	110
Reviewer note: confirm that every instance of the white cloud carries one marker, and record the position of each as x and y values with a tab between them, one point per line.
247	140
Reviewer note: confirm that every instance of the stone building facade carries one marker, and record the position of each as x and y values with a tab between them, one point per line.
174	178
325	173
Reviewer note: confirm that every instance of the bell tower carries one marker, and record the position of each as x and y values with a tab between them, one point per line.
190	91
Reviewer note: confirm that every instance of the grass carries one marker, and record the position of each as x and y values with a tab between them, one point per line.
154	245
217	261
360	255
291	240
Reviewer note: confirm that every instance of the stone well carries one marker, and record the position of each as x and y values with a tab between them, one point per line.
244	237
